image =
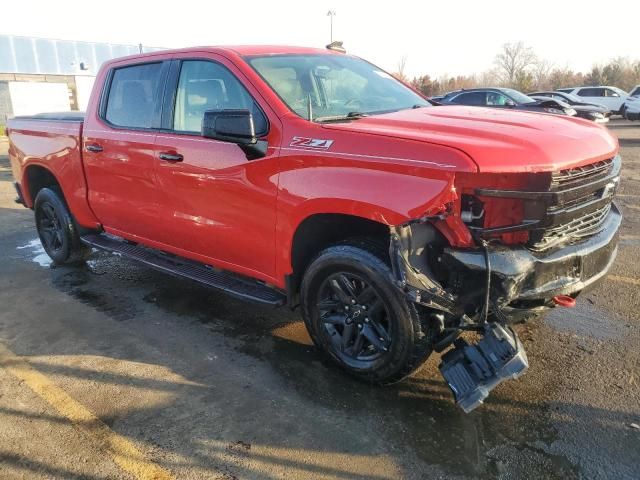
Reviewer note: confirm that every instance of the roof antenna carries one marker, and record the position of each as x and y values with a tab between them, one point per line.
336	46
309	108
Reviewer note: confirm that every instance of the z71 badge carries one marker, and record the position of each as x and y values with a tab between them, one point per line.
311	143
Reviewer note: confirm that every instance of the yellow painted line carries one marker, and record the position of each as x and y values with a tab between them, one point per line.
618	278
123	452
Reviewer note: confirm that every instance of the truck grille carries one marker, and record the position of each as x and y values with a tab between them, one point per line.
576	229
593	187
574	205
564	177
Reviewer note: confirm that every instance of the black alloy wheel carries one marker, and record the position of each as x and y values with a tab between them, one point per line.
359	318
355	318
57	230
50	229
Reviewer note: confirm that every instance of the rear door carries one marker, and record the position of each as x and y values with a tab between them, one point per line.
596	95
614	99
216	205
118	151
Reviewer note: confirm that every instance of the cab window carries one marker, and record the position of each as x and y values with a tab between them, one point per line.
205	85
134	95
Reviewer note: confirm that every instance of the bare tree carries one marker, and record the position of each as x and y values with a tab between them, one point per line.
400	73
515	60
541	71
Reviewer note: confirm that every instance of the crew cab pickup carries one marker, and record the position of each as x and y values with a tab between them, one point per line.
312	178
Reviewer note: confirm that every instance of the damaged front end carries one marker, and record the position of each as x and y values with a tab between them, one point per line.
471	371
529	247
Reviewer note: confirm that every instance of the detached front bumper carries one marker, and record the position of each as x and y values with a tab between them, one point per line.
521	275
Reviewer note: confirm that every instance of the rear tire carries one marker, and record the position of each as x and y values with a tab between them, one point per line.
355	314
56	228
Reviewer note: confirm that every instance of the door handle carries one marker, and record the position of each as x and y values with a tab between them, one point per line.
171	157
93	147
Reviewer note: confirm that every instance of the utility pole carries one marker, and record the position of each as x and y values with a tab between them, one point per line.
331	14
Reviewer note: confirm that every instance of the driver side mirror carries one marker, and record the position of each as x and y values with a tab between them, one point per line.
234	126
509	103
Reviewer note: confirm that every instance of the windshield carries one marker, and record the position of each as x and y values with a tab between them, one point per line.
635	92
517	96
321	87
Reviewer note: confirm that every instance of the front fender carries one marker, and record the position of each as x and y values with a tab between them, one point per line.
387	197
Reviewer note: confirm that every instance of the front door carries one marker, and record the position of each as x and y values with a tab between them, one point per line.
118	151
215	204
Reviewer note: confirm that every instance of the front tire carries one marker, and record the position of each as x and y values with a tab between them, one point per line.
355	314
56	228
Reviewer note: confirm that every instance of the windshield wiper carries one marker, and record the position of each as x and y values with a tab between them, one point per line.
337	118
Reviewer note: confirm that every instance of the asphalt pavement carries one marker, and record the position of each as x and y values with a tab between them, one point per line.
112	371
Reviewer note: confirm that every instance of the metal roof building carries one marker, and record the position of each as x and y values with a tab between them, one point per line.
40	62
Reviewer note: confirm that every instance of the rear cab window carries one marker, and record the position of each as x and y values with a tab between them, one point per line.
134	95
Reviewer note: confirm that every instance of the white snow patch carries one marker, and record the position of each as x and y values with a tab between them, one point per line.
37	250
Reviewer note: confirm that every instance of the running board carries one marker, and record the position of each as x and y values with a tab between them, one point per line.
234	285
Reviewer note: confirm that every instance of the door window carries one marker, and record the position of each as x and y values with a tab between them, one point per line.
591	92
205	85
610	93
134	95
471	98
496	99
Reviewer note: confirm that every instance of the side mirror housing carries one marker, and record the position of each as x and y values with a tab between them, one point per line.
234	126
510	103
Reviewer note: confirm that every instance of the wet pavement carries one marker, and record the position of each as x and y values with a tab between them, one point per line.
211	387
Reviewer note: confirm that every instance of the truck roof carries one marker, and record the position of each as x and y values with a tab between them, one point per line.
242	50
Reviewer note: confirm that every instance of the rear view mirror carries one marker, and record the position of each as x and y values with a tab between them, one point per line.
234	126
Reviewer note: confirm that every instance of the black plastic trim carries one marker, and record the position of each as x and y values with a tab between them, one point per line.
20	197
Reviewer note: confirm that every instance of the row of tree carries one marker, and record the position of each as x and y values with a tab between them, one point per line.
517	66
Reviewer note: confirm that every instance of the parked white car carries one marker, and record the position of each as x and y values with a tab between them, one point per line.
611	97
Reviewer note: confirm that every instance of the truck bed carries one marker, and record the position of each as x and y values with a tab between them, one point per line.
50	144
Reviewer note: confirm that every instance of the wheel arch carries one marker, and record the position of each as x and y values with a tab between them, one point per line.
318	231
35	178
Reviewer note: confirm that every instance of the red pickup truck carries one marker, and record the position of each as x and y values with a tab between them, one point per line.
312	178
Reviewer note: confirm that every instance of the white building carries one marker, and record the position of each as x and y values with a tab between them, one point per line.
41	74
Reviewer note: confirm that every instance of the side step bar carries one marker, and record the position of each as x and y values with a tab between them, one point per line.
234	285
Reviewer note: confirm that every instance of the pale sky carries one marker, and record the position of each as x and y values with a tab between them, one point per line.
449	37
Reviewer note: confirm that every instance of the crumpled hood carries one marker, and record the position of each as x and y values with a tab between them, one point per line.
498	140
